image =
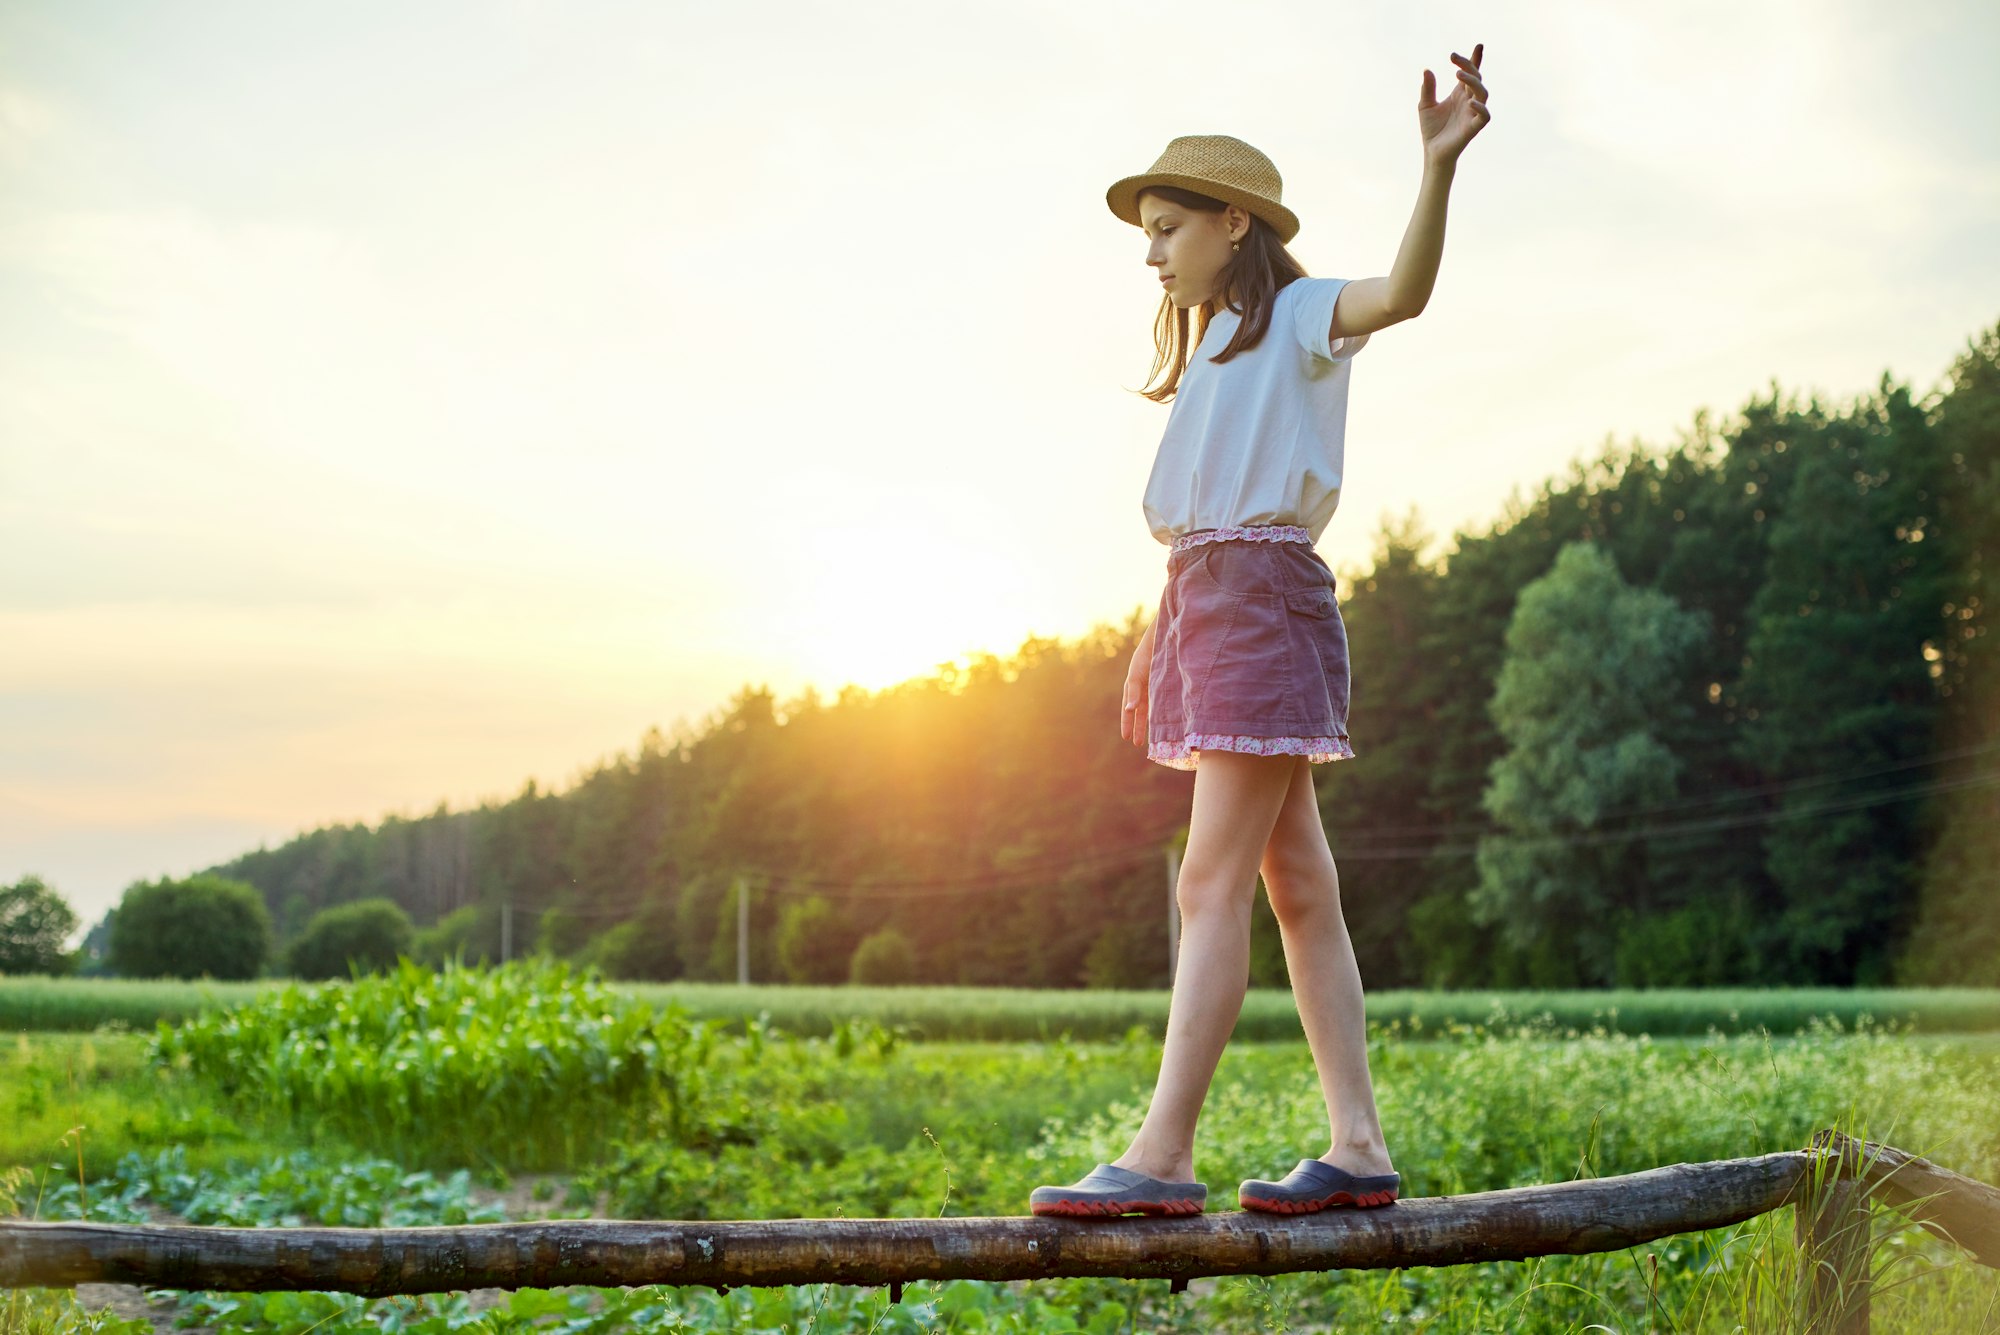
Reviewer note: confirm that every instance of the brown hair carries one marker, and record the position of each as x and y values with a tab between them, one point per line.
1256	271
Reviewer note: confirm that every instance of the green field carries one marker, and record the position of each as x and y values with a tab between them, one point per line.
213	1122
998	1013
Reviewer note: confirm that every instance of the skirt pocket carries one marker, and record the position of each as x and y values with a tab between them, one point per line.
1318	654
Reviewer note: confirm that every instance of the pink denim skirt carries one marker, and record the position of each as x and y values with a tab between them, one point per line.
1249	651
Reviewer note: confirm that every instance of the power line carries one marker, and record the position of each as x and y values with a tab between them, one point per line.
1693	802
1625	834
1012	878
1117	858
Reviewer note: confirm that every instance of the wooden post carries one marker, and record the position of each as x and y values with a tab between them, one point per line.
1830	1222
743	930
1958	1209
1173	914
506	930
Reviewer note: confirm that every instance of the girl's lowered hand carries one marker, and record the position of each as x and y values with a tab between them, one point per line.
1132	718
1448	126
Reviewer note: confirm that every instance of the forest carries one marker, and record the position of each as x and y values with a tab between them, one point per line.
1719	713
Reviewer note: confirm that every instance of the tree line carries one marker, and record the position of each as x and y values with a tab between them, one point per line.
1717	713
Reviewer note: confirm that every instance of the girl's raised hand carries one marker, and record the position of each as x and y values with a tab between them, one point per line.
1448	126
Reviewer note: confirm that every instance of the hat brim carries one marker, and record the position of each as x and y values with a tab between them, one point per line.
1123	197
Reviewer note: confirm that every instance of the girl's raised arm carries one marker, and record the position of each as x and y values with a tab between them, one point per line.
1368	304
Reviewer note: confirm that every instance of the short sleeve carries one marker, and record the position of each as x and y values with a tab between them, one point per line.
1312	318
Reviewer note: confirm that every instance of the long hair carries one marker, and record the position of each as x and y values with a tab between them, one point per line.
1256	270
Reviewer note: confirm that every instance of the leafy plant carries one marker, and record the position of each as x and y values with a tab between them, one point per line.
529	1065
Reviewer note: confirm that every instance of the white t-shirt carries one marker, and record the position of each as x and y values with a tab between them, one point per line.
1258	439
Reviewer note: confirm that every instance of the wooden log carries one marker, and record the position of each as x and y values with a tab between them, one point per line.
1566	1218
1961	1210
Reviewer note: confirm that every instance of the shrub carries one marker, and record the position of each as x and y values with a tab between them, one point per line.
641	948
884	959
528	1065
470	934
366	935
35	921
204	925
814	944
1115	961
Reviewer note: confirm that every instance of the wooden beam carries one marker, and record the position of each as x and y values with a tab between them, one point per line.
1566	1218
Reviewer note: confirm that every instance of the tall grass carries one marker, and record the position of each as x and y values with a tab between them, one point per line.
1021	1014
524	1066
29	1002
1271	1014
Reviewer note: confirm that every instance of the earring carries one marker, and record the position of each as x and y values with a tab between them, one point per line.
1234	246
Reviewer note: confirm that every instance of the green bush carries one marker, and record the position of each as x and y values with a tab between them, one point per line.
470	935
203	926
608	951
1114	960
814	942
884	959
528	1065
35	921
641	948
366	935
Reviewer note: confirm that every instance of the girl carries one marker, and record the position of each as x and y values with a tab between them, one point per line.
1243	675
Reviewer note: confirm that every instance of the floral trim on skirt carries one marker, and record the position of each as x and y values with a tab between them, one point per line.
1251	533
1185	753
1249	650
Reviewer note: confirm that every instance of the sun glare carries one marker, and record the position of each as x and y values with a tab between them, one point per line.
878	607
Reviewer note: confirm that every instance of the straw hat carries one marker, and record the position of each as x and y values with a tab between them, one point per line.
1212	164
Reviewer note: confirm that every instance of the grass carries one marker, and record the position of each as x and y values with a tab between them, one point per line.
94	1097
1022	1014
870	1126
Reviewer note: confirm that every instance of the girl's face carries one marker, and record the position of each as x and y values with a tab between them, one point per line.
1188	248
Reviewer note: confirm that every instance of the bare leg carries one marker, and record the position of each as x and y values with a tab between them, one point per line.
1304	887
1236	802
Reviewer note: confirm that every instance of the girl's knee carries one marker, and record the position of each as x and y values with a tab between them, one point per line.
1197	895
1296	894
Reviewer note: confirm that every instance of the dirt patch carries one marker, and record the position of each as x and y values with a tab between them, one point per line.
131	1303
537	1196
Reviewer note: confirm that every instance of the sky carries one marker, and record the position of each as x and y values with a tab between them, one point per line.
399	403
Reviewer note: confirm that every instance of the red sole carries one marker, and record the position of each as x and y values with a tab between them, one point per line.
1365	1200
1096	1209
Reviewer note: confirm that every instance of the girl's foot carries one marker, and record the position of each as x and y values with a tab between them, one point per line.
1108	1190
1166	1170
1316	1185
1373	1162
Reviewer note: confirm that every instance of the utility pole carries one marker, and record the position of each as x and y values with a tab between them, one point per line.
1173	913
743	930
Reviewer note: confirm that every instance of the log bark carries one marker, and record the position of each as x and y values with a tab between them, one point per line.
1566	1218
1590	1215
